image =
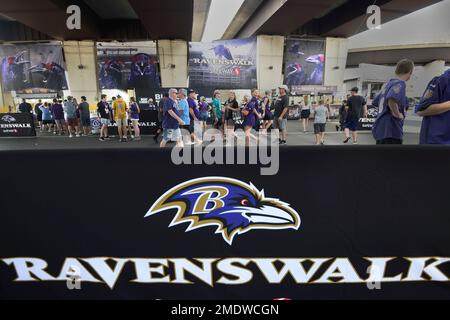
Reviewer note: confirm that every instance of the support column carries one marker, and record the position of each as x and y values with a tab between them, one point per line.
335	63
81	65
270	50
173	61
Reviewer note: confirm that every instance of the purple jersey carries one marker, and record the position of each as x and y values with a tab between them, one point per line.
436	129
386	125
194	106
58	111
170	122
250	119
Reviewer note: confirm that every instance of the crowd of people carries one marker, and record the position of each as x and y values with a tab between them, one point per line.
71	118
184	116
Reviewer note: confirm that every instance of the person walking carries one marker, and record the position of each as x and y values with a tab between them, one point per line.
172	121
321	114
217	111
268	116
281	114
355	106
305	113
160	116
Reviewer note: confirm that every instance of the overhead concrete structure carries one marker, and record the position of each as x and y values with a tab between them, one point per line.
421	36
333	18
201	9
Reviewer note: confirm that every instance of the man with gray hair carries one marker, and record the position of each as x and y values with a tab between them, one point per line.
171	121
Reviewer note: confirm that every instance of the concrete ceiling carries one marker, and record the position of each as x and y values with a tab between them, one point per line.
201	9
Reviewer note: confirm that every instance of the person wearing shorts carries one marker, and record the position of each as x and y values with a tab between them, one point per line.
305	113
268	116
231	108
134	111
250	113
217	111
70	111
103	112
58	116
281	113
172	121
184	110
120	117
355	106
320	120
85	115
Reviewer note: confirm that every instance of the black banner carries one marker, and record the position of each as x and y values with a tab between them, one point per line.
148	123
373	225
17	125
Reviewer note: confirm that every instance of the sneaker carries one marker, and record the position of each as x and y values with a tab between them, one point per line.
137	138
71	136
355	142
346	140
283	142
107	138
101	139
77	135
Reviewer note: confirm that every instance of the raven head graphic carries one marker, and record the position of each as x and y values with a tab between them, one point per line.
8	118
233	206
316	59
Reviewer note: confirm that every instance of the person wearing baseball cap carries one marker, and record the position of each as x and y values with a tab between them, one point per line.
281	113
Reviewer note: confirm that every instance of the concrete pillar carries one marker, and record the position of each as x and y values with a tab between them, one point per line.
335	63
173	60
83	81
270	50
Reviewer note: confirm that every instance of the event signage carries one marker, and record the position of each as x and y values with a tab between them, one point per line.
33	68
128	65
223	64
226	232
16	125
304	61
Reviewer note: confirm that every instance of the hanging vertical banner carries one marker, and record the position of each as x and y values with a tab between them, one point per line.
304	62
128	65
224	64
32	68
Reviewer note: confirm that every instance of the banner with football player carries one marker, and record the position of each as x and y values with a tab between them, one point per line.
224	64
128	65
33	68
304	62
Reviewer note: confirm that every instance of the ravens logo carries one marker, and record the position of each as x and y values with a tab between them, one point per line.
233	206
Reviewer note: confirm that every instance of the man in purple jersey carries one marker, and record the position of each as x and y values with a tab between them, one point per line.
194	115
434	107
171	121
392	104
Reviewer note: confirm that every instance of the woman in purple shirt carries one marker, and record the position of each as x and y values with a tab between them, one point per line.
133	112
250	113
